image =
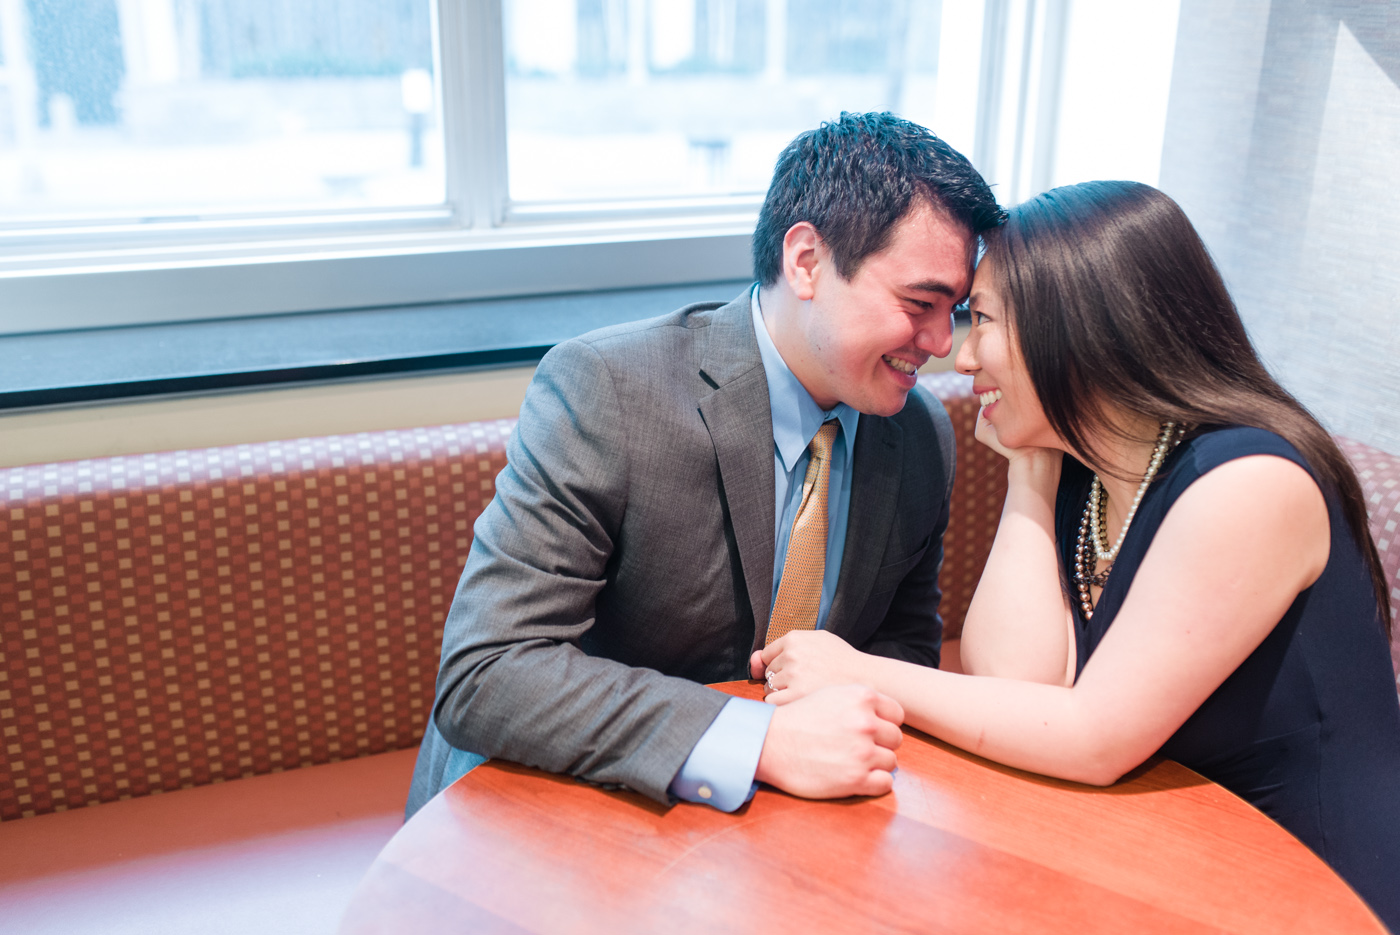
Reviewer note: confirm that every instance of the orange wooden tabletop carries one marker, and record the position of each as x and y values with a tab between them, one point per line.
960	845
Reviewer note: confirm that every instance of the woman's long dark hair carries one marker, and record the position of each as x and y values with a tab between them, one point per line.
1113	297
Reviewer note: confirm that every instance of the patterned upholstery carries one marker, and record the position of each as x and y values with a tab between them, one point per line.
978	491
177	619
1380	483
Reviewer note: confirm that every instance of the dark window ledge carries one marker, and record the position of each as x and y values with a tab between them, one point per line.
110	364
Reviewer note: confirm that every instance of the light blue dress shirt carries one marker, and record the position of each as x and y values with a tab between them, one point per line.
721	768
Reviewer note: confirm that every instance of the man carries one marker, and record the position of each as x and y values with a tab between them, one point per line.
682	490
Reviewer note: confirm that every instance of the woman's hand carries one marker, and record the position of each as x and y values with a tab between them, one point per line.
1037	466
986	433
804	661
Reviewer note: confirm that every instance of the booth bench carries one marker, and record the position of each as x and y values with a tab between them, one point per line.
215	665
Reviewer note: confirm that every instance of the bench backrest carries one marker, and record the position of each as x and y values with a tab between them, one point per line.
176	619
979	488
1379	474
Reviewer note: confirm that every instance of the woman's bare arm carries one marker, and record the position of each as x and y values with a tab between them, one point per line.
1230	557
1019	624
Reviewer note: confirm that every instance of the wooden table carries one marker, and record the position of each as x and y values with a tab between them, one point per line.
960	845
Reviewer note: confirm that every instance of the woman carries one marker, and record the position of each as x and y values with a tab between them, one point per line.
1183	564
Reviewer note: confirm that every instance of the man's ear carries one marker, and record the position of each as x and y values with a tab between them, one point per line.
802	256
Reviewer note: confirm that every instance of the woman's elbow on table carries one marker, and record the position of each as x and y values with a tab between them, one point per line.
1099	754
1104	773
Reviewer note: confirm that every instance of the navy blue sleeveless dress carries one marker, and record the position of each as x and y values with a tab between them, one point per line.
1307	729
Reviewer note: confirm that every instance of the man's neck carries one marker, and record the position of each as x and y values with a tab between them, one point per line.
768	300
780	309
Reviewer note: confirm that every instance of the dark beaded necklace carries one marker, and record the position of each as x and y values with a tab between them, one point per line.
1086	573
1084	567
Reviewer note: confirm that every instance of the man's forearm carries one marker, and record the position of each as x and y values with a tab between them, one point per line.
555	708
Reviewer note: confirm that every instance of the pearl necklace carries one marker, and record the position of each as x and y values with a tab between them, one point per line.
1091	525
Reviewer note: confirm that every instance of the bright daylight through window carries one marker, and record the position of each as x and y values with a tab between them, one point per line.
623	98
223	158
154	107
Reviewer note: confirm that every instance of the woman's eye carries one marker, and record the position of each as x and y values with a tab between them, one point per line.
979	318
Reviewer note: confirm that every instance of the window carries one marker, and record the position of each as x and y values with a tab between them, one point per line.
158	108
168	160
696	97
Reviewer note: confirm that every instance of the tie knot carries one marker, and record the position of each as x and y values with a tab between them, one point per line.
824	439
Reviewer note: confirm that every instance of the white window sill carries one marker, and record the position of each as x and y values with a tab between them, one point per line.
84	287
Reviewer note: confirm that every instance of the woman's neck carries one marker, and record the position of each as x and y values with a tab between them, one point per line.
1121	466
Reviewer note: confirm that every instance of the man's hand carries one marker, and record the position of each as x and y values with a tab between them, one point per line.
833	743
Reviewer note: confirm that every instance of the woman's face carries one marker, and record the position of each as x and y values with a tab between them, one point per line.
991	356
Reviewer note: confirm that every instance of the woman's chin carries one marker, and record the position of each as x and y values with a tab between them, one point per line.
1007	436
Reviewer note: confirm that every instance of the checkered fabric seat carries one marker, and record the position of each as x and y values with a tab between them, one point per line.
979	488
1379	474
171	620
179	619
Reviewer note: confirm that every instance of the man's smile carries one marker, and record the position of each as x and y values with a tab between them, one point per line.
909	368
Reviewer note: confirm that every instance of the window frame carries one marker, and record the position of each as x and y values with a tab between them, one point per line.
93	273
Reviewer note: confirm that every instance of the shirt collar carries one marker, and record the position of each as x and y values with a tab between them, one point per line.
796	416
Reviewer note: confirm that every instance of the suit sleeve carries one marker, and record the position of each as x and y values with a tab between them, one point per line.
912	629
514	683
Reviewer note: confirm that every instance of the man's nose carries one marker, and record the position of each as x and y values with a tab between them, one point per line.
935	335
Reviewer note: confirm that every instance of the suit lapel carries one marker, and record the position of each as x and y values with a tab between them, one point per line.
874	499
740	421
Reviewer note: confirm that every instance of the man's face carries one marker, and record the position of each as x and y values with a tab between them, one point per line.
866	336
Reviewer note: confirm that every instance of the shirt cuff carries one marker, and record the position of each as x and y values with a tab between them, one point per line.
720	770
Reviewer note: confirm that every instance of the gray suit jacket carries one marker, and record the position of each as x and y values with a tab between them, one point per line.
627	557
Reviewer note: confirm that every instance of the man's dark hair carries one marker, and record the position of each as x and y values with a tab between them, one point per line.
854	178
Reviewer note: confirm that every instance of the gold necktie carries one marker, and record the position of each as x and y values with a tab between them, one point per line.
800	592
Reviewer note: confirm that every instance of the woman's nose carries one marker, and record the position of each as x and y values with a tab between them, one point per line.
966	361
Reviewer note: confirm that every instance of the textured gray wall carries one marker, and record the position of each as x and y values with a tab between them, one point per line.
1283	145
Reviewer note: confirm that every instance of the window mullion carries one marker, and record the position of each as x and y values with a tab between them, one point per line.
1047	126
471	48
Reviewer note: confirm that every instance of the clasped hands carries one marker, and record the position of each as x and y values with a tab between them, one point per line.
829	738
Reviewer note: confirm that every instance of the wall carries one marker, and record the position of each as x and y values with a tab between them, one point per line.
1282	137
233	418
